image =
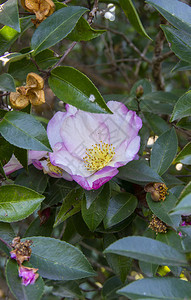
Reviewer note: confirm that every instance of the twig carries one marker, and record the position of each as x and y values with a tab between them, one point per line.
63	56
140	62
93	12
156	62
91	248
128	41
96	264
66	1
4	94
37	66
164	56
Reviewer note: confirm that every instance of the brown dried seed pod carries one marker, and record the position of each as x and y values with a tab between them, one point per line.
17	100
41	8
36	97
34	81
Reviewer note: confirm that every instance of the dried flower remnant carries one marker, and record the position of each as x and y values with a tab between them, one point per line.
158	191
32	92
28	275
157	225
41	8
21	250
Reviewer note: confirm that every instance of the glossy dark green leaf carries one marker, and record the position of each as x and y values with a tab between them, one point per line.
34	179
7	83
184	204
73	87
164	151
56	27
60	260
185	123
179	42
159	288
91	196
24	131
17	202
148	250
7	234
170	238
22	156
97	210
121	206
110	287
148	269
20	291
12	57
120	264
182	108
131	13
9	35
184	156
9	14
6	151
156	123
181	66
175	12
70	206
69	289
138	171
84	32
162	209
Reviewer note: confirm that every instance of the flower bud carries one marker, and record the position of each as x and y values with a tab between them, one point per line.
139	91
28	275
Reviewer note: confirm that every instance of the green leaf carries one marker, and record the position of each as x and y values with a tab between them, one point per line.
56	27
12	57
159	288
148	269
182	108
132	15
164	151
179	42
9	35
170	238
6	151
148	250
120	264
147	87
17	202
22	156
184	156
7	234
70	206
120	207
60	260
91	196
34	179
184	205
156	123
7	83
97	210
138	171
110	287
75	88
162	209
9	14
84	32
181	66
20	291
175	12
24	131
185	123
69	289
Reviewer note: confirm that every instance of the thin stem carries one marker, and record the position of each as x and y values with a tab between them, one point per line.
63	56
4	94
93	12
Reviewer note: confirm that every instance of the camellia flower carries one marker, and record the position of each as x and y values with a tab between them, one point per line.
90	147
28	275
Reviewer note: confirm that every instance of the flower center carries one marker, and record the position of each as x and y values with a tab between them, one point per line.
98	156
52	168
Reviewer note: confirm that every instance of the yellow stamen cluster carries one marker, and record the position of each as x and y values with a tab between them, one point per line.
54	169
157	225
98	156
162	189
